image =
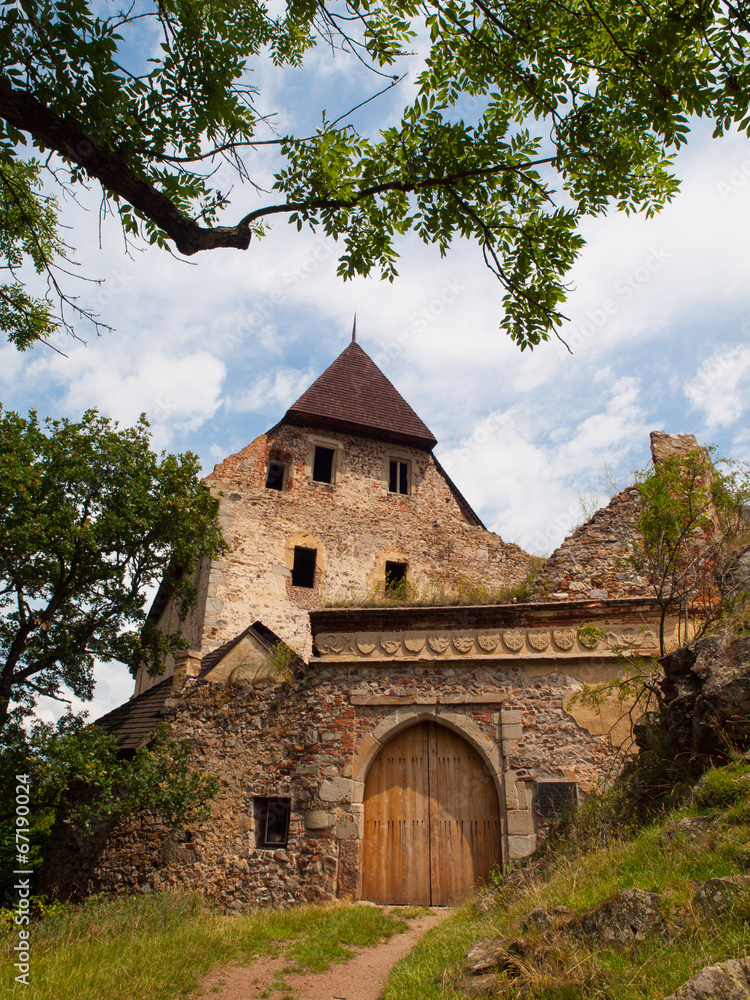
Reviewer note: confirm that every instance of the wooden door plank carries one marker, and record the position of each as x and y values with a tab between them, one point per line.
396	830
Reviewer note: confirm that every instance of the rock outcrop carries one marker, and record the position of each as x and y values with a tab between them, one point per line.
706	697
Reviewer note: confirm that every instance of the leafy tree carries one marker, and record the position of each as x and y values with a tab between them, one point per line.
75	773
692	523
89	518
591	98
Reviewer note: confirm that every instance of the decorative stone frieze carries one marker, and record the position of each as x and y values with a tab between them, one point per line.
517	642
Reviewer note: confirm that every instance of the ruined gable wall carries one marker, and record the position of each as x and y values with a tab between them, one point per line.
593	561
191	626
355	524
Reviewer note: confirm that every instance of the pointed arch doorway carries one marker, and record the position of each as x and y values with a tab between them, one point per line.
432	820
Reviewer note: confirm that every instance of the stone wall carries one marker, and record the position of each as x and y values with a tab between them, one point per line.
355	524
312	740
594	561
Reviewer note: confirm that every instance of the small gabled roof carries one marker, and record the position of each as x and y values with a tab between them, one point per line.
260	632
354	396
139	717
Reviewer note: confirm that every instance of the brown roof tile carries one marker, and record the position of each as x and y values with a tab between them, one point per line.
353	395
138	717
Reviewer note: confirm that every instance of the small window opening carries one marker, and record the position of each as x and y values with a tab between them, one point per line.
303	569
272	822
323	464
395	579
398	481
555	798
275	477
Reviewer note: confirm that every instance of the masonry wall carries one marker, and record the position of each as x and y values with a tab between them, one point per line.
311	740
355	524
594	562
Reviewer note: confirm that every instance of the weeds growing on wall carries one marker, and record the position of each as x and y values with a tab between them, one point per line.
461	591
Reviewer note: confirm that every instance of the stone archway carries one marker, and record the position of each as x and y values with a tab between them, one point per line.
431	818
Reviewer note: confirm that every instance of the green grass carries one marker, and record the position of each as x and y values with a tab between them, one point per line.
559	965
157	947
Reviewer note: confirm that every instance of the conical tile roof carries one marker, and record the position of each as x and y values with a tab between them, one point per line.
353	395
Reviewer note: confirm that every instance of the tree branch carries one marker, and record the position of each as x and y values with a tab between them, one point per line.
27	114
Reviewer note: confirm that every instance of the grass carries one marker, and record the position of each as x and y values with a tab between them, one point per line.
458	592
556	964
157	947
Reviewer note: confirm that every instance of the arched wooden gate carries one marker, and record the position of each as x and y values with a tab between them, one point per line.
432	823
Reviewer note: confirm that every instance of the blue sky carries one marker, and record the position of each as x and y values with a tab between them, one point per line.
215	349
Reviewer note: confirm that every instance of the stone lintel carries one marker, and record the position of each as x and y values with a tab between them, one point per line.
491	698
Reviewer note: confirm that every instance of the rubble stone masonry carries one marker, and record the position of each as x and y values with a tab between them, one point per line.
312	738
355	525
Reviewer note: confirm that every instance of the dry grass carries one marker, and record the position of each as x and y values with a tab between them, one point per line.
462	591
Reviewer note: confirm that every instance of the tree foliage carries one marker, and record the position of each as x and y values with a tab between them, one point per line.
75	774
692	524
89	518
525	116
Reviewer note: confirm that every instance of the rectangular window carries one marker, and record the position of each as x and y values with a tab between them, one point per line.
272	822
303	570
555	798
395	579
398	479
323	464
275	477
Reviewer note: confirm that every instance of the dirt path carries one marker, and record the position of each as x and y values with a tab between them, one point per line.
362	978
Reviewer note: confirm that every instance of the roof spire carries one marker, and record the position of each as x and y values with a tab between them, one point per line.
354	330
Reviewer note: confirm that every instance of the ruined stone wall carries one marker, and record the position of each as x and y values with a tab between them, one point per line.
593	563
355	524
312	741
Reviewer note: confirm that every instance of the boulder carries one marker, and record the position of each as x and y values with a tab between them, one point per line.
625	919
484	955
727	981
715	897
539	919
695	829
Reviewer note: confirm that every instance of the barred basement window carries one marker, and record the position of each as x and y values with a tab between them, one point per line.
272	822
398	476
555	798
303	568
323	464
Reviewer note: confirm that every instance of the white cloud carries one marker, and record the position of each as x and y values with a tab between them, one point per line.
721	386
277	390
178	393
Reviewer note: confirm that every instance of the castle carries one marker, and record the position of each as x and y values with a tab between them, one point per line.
405	751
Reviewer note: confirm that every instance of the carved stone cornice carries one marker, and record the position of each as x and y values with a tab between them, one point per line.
489	644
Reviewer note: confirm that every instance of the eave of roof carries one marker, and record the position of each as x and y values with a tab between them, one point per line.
138	718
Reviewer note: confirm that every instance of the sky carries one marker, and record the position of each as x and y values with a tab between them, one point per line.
216	348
